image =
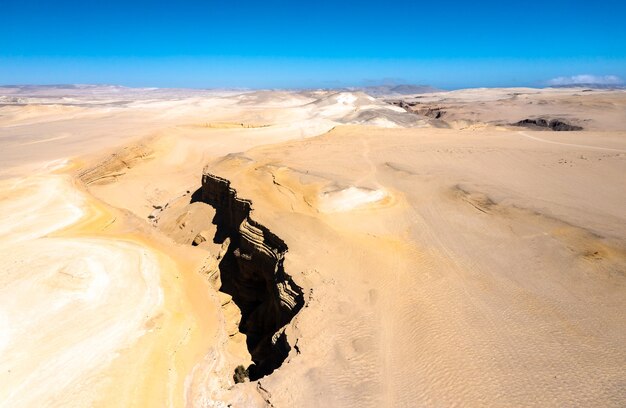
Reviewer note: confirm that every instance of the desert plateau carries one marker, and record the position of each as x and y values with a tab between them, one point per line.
312	248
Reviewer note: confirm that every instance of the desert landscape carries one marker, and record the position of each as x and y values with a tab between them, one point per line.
309	248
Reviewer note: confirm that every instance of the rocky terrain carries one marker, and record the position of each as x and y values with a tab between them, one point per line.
556	109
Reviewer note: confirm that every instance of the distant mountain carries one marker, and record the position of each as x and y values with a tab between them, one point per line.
395	90
590	86
63	86
59	89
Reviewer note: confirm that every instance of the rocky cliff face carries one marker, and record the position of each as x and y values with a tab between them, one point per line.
252	273
553	124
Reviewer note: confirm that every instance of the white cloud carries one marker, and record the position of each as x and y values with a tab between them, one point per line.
586	79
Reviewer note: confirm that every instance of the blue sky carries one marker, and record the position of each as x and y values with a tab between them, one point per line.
322	43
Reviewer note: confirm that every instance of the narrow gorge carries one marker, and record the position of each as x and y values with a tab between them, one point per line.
252	272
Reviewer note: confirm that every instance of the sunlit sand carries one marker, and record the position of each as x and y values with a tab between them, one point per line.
428	250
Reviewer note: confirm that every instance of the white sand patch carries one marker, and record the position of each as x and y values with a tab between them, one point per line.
71	305
396	108
349	199
36	206
67	305
337	106
346	99
382	122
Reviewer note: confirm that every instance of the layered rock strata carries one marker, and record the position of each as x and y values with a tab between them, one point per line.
252	272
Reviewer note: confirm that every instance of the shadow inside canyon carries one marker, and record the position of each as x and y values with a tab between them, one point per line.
252	272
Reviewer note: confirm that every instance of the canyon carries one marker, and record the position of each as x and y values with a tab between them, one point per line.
252	272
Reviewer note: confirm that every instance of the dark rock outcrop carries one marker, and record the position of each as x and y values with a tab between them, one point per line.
432	112
553	124
252	272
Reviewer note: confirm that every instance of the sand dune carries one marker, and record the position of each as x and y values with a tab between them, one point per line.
426	253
